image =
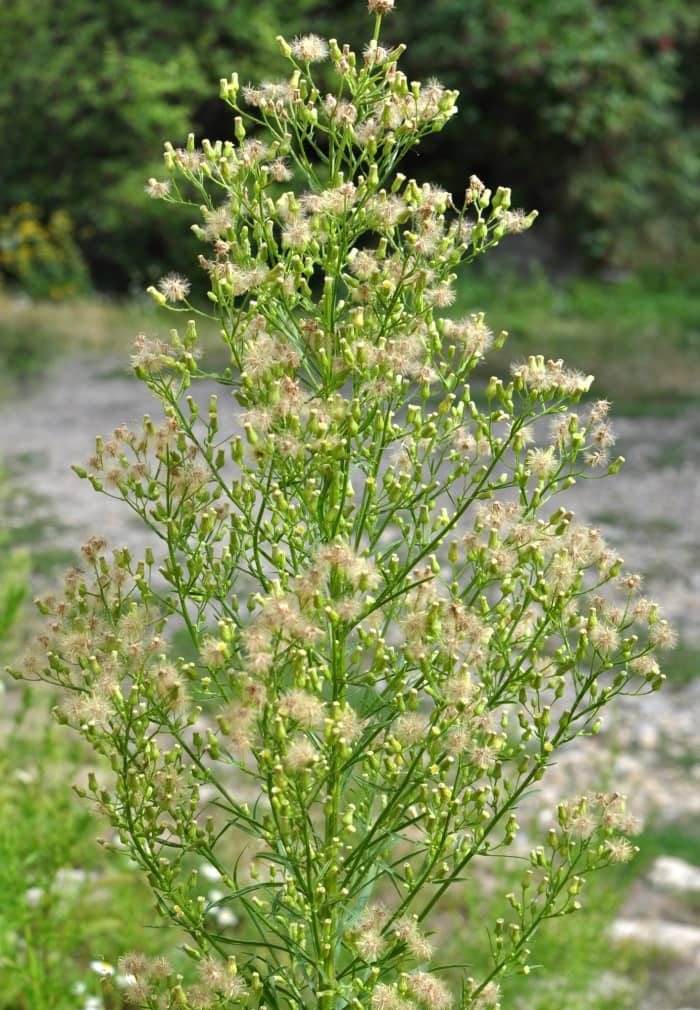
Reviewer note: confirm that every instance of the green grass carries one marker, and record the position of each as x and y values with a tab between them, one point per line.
678	454
29	525
640	337
66	900
33	335
682	666
49	562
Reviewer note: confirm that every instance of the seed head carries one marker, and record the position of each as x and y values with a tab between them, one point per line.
621	850
309	48
374	54
279	171
542	463
406	929
370	945
217	222
169	687
348	724
157	189
174	287
380	6
431	991
411	728
301	754
386	997
302	707
488	998
441	295
663	636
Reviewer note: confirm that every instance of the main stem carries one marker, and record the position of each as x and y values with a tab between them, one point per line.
327	894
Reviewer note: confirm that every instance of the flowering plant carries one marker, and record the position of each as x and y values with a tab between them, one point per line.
393	632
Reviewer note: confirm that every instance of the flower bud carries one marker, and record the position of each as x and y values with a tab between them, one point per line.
157	296
284	46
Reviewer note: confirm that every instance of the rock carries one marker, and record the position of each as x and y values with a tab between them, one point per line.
674	938
648	736
675	874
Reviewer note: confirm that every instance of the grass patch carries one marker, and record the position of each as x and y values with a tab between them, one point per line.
640	337
34	530
34	334
28	529
665	406
67	902
677	454
52	561
658	526
682	666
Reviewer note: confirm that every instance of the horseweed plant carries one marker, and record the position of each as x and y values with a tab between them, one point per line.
394	635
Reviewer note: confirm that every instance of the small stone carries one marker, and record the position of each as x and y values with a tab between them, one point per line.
648	736
675	874
675	938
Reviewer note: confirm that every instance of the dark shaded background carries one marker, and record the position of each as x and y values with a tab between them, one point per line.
589	110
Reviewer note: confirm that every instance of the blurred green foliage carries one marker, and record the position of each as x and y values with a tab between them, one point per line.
41	256
589	109
14	576
91	90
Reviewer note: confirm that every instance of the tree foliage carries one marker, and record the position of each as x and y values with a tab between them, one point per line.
88	88
589	108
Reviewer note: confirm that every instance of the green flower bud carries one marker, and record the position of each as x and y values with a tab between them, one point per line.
157	296
284	46
501	198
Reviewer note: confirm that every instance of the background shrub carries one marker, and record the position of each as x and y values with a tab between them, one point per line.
42	258
87	89
589	109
